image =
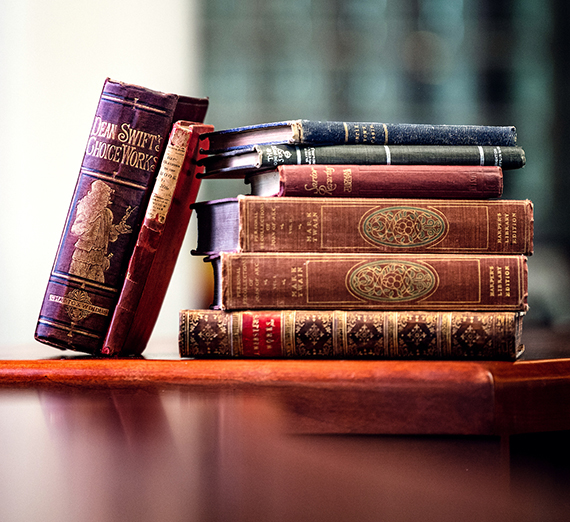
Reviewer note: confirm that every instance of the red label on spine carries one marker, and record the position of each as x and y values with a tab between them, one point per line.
261	334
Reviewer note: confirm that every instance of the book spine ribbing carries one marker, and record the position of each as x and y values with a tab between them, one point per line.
372	281
335	334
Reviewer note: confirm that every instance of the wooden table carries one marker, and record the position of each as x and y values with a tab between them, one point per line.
167	439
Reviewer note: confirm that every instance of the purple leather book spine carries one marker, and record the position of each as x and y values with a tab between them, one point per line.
123	150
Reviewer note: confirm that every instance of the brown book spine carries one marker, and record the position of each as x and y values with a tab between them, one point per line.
384	225
371	281
391	181
350	334
158	244
122	156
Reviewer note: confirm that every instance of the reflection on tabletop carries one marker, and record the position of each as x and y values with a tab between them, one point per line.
189	455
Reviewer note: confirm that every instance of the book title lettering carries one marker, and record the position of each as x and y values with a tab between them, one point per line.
122	144
507	228
364	133
500	281
265	225
263	332
322	190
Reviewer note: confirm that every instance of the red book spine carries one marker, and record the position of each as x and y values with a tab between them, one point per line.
350	334
391	181
384	225
158	244
372	281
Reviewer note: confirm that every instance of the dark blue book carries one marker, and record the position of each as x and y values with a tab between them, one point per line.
311	132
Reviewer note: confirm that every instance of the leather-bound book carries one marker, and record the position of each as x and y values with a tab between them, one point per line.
379	181
367	281
242	162
296	224
338	334
158	244
122	156
359	133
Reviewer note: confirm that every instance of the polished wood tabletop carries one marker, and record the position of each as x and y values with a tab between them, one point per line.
159	438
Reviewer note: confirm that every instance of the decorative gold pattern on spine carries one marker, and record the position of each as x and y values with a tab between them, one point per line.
288	333
444	347
377	334
341	347
236	329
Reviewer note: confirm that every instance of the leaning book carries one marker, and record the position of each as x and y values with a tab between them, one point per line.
123	152
158	245
338	334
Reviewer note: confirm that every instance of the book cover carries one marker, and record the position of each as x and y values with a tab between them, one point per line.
123	151
370	281
379	181
297	224
236	164
375	133
158	244
338	334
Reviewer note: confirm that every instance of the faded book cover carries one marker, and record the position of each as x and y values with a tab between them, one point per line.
370	281
159	242
296	224
379	181
305	131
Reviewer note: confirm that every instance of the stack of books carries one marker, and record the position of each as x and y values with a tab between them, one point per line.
363	240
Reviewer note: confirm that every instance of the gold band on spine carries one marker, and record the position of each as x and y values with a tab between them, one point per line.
385	133
386	334
497	333
395	335
438	333
444	335
345	132
339	319
288	320
236	330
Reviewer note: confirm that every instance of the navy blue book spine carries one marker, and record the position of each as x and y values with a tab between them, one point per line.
336	132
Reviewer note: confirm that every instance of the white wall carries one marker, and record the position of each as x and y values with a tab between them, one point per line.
54	57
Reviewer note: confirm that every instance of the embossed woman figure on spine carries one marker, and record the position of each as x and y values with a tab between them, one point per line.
94	226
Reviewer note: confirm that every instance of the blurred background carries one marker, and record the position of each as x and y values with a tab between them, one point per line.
487	62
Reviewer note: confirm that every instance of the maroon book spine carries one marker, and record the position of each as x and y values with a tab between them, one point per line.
391	181
383	225
336	334
372	281
123	152
158	244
